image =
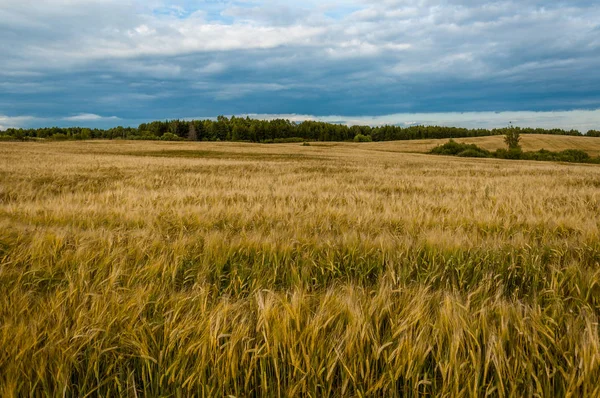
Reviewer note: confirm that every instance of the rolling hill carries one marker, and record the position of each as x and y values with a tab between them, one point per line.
530	142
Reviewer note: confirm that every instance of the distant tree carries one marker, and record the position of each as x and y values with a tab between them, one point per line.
282	130
221	129
178	128
512	138
192	133
239	133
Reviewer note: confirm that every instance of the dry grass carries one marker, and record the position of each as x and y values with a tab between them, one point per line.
529	142
177	269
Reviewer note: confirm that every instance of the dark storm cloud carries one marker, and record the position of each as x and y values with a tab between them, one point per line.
109	62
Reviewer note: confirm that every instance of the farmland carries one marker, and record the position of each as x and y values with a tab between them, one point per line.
529	142
338	269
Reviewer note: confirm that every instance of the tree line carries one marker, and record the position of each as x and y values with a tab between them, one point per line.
266	131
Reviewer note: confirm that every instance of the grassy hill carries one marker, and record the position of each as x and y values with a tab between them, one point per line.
531	142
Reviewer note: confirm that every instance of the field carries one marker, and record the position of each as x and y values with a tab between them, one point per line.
529	142
229	269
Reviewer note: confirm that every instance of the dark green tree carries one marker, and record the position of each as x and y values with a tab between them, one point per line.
512	138
192	133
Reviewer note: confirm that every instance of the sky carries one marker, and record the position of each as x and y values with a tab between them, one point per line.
102	63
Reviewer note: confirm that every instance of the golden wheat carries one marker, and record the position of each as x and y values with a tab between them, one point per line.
229	269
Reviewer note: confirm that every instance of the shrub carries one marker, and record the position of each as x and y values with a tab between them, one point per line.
454	148
171	137
542	155
59	137
362	138
472	153
573	155
513	153
450	148
142	137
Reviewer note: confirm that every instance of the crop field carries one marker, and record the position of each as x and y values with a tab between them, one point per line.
529	142
230	269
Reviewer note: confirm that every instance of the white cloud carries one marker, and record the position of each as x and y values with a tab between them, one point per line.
415	33
130	97
582	120
212	67
231	91
7	122
388	55
88	117
33	121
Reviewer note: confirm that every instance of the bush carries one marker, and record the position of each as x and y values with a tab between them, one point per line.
142	137
472	153
513	153
541	155
454	148
568	155
450	148
573	155
362	138
171	137
58	137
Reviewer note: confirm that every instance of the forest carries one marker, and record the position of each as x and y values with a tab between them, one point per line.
265	131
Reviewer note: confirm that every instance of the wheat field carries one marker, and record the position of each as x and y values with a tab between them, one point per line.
529	142
230	269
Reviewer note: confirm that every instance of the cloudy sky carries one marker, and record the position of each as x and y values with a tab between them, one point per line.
473	63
